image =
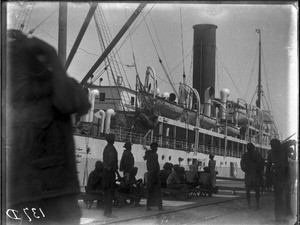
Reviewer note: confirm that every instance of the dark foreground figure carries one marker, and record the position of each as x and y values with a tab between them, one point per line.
110	160
42	181
252	163
153	178
278	163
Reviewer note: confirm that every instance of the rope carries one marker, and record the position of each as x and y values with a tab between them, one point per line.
134	27
32	30
228	72
268	91
30	13
181	61
182	48
167	74
253	96
251	75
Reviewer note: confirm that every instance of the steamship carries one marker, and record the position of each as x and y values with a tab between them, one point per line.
188	126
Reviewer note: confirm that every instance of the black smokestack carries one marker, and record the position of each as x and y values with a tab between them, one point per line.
204	58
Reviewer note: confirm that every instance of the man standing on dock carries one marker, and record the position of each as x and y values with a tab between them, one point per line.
110	160
153	178
127	160
212	169
252	163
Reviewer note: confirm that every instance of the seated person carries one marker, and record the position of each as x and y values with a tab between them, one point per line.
182	176
95	181
164	174
130	185
192	178
173	181
205	177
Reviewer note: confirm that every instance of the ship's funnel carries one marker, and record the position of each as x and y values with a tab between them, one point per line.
204	58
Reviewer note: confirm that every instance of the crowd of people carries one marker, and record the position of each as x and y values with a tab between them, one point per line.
41	98
105	179
275	174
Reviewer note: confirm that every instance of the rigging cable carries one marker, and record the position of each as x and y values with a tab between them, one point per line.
178	64
133	56
168	76
182	48
217	78
33	29
228	72
253	95
268	91
191	65
116	52
100	18
160	61
30	13
134	27
251	75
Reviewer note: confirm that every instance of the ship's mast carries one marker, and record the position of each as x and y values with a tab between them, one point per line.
258	102
62	31
113	42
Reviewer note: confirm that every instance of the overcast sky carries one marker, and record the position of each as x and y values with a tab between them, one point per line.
237	46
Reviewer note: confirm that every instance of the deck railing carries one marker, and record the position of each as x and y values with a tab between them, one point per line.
125	134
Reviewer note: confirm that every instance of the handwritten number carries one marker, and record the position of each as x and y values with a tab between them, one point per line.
34	213
24	210
42	212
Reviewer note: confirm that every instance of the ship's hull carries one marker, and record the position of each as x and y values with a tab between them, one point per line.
226	166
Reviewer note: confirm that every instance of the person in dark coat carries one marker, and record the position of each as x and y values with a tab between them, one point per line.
41	166
192	176
110	160
278	162
252	163
153	178
205	177
164	174
212	169
95	181
269	175
127	160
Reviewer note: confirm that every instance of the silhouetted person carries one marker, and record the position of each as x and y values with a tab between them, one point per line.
164	173
127	160
110	160
205	177
153	178
278	162
42	173
173	181
181	174
269	175
192	176
252	163
212	169
130	185
95	181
